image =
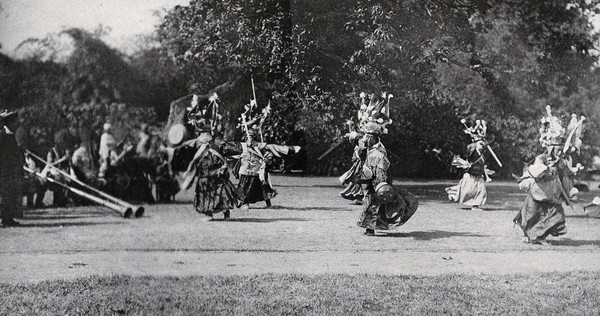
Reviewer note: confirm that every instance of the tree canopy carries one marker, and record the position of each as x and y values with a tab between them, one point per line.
502	61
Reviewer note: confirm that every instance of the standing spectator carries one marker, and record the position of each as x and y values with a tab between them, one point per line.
108	145
11	170
59	156
144	143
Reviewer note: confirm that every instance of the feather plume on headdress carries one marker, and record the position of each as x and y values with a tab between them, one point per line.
552	133
252	120
205	117
477	131
374	117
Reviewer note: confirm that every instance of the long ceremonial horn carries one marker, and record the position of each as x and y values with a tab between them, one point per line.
494	155
139	210
121	209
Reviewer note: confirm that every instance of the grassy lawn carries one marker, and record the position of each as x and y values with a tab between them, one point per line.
538	294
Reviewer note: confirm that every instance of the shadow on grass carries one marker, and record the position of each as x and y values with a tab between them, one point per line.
59	217
67	224
309	208
263	220
592	218
432	234
574	243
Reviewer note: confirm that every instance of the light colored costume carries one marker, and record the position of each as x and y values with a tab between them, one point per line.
107	150
471	190
254	157
549	180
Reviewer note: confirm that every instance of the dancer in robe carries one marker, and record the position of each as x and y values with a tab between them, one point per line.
471	190
203	162
254	156
384	206
549	180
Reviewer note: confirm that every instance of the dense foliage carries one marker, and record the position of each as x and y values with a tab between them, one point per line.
502	61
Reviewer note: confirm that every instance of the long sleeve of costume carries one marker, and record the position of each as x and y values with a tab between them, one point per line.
375	168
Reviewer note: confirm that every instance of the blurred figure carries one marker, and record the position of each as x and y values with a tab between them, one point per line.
60	157
11	170
144	142
108	146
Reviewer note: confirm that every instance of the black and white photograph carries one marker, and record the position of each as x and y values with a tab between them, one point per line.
280	157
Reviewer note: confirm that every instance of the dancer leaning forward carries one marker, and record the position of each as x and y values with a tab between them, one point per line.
549	180
384	207
205	163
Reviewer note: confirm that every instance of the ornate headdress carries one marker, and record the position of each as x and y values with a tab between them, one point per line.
477	131
252	119
205	117
552	133
374	117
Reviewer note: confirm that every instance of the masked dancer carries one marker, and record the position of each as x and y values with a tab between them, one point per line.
203	162
471	190
549	180
384	207
254	156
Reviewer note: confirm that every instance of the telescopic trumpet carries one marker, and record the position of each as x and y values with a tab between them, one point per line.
138	211
121	209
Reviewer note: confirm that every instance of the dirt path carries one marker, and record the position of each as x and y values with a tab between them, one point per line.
309	230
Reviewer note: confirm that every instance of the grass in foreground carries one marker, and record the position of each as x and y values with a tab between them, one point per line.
541	294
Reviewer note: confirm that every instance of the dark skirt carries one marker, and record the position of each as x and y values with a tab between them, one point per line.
215	194
541	219
255	190
388	216
11	198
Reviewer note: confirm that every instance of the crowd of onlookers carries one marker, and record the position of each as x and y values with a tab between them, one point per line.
132	169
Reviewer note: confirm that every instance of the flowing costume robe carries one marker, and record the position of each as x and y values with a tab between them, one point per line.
543	214
353	191
376	215
252	168
471	190
214	191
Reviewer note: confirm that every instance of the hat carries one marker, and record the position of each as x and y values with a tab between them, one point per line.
107	126
373	117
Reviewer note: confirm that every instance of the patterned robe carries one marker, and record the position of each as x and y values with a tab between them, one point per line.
353	191
543	214
376	215
252	168
214	190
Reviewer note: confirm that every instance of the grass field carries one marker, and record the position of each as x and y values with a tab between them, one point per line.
269	294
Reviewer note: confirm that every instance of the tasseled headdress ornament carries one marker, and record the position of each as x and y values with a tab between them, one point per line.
477	131
374	117
252	119
552	133
205	118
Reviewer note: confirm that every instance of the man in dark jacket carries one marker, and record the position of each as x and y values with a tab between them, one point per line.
11	170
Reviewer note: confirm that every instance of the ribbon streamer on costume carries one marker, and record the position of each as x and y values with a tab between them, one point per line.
190	173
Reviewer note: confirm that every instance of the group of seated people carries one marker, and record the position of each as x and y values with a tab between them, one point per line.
124	170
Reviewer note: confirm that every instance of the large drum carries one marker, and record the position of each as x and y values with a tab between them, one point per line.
384	194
